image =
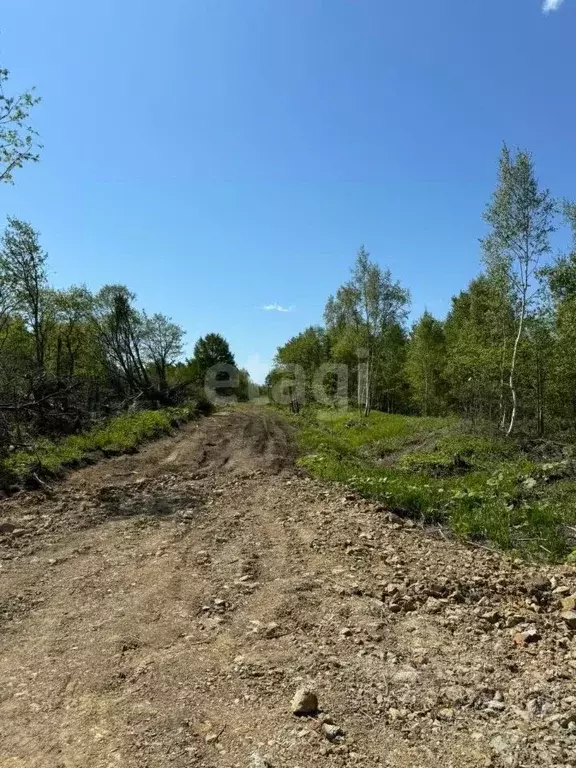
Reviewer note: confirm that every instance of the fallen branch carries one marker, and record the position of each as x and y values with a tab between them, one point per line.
42	482
36	403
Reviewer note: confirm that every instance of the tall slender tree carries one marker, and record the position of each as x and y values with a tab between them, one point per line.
520	216
364	309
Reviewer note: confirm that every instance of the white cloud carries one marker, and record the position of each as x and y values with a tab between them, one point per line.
551	5
276	308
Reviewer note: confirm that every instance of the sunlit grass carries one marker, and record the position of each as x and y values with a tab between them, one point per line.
118	435
483	487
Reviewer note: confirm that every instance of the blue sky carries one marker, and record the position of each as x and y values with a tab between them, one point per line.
220	156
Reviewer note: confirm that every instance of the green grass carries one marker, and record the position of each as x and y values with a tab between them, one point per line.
118	435
484	487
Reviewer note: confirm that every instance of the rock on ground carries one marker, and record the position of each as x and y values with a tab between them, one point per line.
152	601
305	702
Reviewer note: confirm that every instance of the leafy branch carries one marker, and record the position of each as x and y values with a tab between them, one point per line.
18	144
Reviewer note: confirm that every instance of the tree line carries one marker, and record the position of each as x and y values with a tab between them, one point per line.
503	355
69	357
505	352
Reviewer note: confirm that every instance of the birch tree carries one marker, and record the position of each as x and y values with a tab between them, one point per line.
163	344
364	309
520	216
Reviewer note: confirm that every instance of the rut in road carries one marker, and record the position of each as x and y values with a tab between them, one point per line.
161	610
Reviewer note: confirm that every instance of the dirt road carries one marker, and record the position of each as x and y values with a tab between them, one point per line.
162	609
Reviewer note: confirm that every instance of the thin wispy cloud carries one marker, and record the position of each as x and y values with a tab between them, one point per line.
276	308
551	5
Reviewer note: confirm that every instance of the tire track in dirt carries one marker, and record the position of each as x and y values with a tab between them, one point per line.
162	608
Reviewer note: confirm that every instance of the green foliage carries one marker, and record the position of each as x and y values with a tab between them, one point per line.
482	486
18	143
163	345
246	389
562	274
520	216
365	320
24	280
561	379
425	364
520	219
69	358
212	372
503	355
211	350
118	435
478	330
297	364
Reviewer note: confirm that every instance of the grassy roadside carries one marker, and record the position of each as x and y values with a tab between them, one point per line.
483	487
121	434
